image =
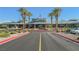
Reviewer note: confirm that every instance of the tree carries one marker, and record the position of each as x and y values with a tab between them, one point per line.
29	15
51	18
23	13
56	14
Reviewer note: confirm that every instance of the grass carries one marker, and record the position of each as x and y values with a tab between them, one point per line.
51	28
4	34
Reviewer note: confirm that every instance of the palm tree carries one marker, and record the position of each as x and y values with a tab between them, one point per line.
29	15
24	13
56	14
51	18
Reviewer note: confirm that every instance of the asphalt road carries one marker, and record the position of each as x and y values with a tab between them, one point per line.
40	41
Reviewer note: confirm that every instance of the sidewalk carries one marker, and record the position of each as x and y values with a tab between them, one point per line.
12	37
68	36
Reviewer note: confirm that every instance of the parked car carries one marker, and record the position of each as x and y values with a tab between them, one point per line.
74	31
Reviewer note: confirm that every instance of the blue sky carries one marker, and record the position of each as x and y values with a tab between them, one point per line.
11	13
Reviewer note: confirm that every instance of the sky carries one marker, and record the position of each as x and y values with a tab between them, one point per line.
8	14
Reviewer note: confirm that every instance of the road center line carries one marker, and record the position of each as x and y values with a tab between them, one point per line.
40	43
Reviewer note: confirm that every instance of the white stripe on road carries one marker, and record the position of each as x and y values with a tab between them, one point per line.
40	43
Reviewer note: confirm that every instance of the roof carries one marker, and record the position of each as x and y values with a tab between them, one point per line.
40	23
66	22
70	22
28	23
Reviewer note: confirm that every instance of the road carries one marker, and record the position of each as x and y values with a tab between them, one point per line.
40	41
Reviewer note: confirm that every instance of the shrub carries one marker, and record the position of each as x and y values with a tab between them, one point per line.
12	32
77	38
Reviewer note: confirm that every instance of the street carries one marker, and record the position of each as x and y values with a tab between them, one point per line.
40	41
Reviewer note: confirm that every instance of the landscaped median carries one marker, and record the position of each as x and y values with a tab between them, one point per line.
11	37
68	36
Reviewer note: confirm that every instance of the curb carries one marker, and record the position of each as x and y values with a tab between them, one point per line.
11	38
7	40
67	38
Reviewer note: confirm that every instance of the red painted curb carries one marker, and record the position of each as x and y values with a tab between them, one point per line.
10	39
68	38
7	40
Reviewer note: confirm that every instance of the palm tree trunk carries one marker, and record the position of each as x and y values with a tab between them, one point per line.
24	24
51	24
56	23
29	19
34	26
45	25
51	20
28	22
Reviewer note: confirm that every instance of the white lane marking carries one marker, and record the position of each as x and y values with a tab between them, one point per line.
40	43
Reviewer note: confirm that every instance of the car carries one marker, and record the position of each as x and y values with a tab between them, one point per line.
74	31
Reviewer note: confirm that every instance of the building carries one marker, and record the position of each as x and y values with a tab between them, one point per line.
40	23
